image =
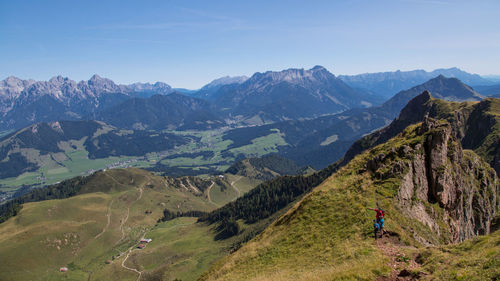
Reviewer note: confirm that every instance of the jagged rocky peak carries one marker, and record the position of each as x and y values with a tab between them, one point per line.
12	81
57	79
450	190
13	86
97	80
159	87
293	75
226	80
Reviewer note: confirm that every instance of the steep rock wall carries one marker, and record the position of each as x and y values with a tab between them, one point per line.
451	191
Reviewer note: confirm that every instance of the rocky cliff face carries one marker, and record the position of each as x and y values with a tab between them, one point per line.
476	125
450	190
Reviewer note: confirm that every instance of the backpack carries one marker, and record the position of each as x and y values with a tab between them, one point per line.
381	213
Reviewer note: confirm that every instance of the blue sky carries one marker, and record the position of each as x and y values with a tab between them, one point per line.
189	43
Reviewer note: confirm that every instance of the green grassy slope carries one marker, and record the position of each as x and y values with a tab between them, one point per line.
110	214
476	259
328	234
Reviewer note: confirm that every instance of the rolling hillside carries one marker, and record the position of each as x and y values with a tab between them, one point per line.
50	152
104	220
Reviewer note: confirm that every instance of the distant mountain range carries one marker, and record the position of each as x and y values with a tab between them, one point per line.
269	97
489	90
263	98
25	102
388	83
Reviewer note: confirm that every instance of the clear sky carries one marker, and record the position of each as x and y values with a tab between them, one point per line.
188	43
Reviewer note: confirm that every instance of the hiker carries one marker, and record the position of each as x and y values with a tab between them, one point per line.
379	213
380	218
376	228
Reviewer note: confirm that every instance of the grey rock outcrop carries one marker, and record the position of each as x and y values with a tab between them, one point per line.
462	185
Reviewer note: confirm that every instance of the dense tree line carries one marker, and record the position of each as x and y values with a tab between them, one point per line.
205	154
227	228
272	162
64	189
166	170
169	215
265	199
16	165
136	144
244	136
275	163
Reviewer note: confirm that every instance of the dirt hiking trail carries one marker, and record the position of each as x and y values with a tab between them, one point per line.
404	267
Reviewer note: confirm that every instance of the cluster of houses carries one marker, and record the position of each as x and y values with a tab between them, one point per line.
143	243
121	164
118	164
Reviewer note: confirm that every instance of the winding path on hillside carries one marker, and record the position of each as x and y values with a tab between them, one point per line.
133	248
183	186
196	190
108	214
234	187
123	221
208	194
130	268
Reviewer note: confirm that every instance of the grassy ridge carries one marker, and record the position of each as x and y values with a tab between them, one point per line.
328	234
324	235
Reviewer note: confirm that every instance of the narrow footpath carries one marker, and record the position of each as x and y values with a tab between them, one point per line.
403	267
